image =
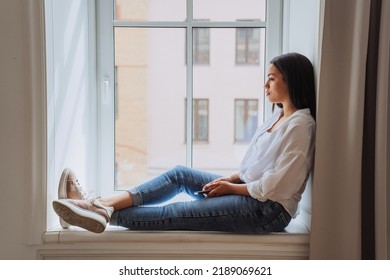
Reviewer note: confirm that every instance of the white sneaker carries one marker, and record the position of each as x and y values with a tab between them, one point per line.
88	214
70	188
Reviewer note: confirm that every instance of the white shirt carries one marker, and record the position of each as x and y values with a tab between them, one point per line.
278	171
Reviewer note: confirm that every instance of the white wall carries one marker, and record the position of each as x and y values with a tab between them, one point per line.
15	148
22	116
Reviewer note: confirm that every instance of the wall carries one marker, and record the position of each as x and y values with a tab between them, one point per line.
26	139
15	137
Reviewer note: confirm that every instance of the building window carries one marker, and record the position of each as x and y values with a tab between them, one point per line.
247	46
201	45
200	120
246	119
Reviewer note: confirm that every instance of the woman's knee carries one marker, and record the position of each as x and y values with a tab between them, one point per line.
181	169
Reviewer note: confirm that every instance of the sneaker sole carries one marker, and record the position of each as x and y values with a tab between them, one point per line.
62	191
80	217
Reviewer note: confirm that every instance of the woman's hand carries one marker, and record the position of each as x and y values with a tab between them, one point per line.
219	187
226	186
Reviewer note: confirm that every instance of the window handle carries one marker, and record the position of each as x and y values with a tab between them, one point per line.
106	91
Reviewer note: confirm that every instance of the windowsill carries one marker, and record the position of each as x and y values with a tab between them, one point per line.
116	242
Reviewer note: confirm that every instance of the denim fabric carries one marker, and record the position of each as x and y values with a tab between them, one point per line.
230	213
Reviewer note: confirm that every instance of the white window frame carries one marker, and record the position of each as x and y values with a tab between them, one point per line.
106	75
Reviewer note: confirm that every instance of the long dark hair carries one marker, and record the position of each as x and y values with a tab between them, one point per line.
297	71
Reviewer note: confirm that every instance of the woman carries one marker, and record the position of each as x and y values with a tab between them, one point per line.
261	197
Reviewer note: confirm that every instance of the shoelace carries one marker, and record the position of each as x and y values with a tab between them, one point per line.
81	192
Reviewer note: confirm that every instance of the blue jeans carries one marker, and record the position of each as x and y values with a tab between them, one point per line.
230	213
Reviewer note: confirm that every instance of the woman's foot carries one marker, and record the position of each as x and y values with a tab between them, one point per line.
88	214
70	188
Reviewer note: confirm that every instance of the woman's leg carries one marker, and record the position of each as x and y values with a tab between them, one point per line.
94	214
117	201
231	213
178	180
162	188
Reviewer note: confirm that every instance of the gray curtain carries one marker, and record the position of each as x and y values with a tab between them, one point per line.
382	139
351	194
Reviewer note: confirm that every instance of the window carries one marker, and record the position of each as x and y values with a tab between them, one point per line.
247	46
201	46
81	112
148	53
201	121
246	119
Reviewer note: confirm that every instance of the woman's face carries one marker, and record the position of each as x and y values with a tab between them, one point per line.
276	87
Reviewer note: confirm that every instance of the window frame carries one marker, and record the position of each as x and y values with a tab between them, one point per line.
106	76
42	179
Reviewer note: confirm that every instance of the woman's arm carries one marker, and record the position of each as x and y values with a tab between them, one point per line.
233	178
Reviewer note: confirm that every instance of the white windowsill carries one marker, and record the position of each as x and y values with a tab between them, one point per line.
120	243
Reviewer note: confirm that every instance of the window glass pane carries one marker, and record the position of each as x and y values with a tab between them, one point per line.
151	84
150	10
230	10
222	83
